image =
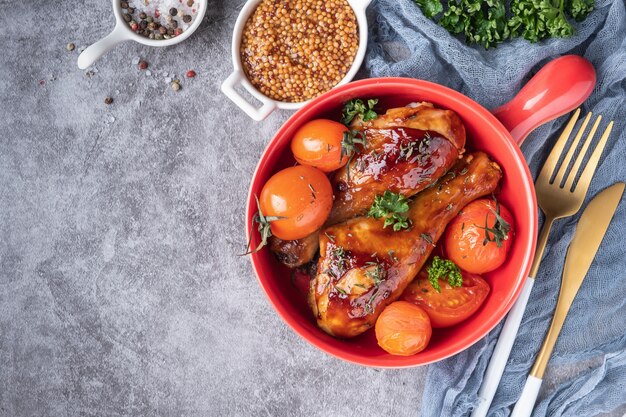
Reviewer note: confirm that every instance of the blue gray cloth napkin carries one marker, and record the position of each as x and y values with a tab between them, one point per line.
405	43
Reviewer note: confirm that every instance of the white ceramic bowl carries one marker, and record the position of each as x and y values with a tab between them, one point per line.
122	32
268	105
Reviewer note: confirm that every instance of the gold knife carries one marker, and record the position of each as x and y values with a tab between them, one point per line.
588	236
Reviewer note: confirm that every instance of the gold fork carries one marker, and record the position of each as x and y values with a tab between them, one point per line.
556	202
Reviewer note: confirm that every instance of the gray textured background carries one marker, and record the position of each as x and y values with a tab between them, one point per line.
120	289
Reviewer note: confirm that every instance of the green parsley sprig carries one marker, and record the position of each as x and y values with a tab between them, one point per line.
392	207
444	269
357	107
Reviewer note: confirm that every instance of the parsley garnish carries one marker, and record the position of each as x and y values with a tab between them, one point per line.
264	228
444	269
392	207
357	107
500	229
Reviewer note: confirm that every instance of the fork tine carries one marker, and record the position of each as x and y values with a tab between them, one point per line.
570	153
557	150
592	164
581	155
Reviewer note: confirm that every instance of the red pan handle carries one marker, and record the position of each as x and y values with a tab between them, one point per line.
558	88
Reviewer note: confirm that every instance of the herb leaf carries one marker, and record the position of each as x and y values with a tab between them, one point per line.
357	107
430	8
444	269
392	207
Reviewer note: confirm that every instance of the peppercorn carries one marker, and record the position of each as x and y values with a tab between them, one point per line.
127	17
158	36
134	26
174	24
131	10
70	46
175	85
142	15
173	11
142	65
143	24
150	19
124	5
108	100
189	3
162	30
170	32
190	74
186	18
178	31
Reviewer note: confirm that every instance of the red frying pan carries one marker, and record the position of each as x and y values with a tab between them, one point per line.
558	88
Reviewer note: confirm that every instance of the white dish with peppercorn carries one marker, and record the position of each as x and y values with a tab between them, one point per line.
322	48
149	22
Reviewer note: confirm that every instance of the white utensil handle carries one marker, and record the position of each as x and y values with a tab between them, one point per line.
258	114
502	351
526	402
95	51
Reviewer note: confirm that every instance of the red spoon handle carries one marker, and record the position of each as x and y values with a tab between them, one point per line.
558	88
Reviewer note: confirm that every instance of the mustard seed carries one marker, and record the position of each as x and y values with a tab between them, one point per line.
294	51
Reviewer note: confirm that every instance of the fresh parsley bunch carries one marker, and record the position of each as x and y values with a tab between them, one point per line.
485	22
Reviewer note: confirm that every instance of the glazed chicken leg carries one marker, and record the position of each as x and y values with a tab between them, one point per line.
363	266
408	149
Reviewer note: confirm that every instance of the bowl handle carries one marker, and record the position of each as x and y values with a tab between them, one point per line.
95	51
258	114
558	88
360	5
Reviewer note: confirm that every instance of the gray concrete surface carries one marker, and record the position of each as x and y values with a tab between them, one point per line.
120	289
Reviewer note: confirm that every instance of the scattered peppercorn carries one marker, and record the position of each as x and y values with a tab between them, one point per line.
108	100
175	85
190	74
70	46
142	65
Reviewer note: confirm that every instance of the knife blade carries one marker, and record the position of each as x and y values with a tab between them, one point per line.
590	232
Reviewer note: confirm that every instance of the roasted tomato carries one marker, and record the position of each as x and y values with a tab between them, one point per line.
453	304
296	201
479	238
403	329
318	143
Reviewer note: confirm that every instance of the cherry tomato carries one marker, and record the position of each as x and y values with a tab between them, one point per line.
403	329
453	304
302	196
318	144
475	241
